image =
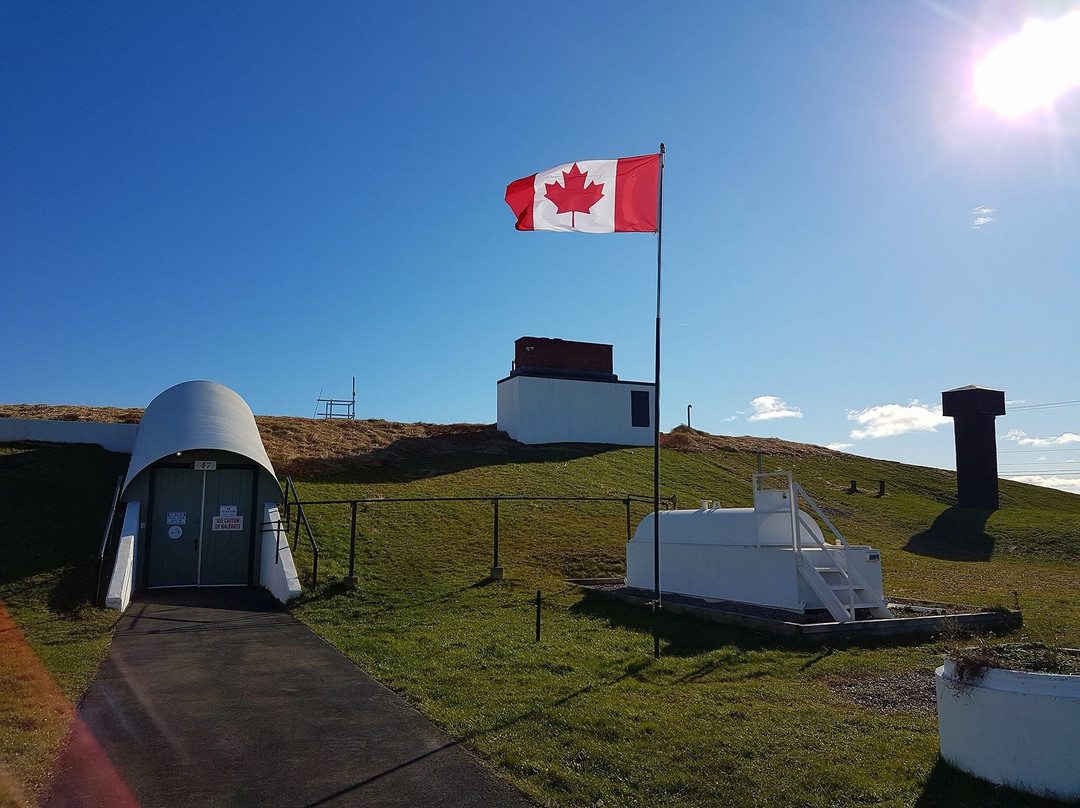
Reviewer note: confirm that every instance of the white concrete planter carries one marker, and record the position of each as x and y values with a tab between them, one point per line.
1013	728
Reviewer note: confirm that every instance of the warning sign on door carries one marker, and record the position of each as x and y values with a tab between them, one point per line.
176	518
227	523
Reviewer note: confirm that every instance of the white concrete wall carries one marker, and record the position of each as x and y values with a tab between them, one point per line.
534	409
114	437
765	576
277	570
1013	728
123	574
735	554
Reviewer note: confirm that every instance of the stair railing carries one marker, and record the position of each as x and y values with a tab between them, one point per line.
301	518
105	538
842	554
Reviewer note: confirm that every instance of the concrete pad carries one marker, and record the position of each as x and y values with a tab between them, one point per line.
218	697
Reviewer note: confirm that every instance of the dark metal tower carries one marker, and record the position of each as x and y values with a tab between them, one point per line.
973	410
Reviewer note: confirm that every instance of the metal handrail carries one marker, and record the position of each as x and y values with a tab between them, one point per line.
845	551
279	528
302	518
105	537
631	497
817	510
494	500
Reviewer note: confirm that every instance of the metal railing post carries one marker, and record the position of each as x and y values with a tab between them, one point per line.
496	570
352	546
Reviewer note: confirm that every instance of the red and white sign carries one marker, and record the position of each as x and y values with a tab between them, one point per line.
590	196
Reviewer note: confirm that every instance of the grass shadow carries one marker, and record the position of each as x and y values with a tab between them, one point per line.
688	635
224	598
948	787
418	458
326	594
680	635
957	534
55	499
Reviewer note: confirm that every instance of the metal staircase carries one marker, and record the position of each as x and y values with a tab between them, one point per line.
825	567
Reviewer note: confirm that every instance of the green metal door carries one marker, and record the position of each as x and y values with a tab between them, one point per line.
201	526
175	524
227	526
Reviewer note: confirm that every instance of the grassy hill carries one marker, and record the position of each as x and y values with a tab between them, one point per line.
586	716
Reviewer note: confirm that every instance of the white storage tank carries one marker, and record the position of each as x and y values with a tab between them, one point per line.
771	555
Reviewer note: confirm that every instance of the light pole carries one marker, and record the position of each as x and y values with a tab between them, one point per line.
688	408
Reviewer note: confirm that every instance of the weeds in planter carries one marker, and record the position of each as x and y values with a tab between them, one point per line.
971	663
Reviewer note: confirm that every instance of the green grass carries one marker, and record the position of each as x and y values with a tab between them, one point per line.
53	506
586	716
726	717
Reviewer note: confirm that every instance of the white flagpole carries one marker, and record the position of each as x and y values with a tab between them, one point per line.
656	418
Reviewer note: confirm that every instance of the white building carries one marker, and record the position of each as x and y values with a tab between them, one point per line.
560	391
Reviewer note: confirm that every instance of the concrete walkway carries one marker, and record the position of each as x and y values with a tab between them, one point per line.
217	697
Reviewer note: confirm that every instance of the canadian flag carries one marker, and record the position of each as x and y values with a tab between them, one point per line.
590	196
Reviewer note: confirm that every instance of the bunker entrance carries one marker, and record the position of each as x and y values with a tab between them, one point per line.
201	525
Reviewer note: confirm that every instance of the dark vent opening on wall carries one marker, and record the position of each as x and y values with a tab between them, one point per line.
639	408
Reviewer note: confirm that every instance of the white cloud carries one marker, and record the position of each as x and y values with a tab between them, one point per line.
735	416
888	420
1021	437
767	408
838	447
1070	484
982	215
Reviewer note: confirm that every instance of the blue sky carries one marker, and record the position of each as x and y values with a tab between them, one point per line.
280	196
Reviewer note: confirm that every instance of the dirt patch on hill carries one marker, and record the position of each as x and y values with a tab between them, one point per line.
71	412
887	693
309	447
684	439
312	448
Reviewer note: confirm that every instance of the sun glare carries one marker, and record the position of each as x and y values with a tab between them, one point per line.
1031	70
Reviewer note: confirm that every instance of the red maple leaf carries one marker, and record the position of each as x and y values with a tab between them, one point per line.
574	196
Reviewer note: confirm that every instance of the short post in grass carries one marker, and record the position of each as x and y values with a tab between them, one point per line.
538	615
496	570
881	488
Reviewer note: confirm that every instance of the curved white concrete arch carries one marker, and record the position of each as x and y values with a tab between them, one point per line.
196	415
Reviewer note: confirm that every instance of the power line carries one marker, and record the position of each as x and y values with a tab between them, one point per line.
1029	463
1038	451
1042	473
1073	403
